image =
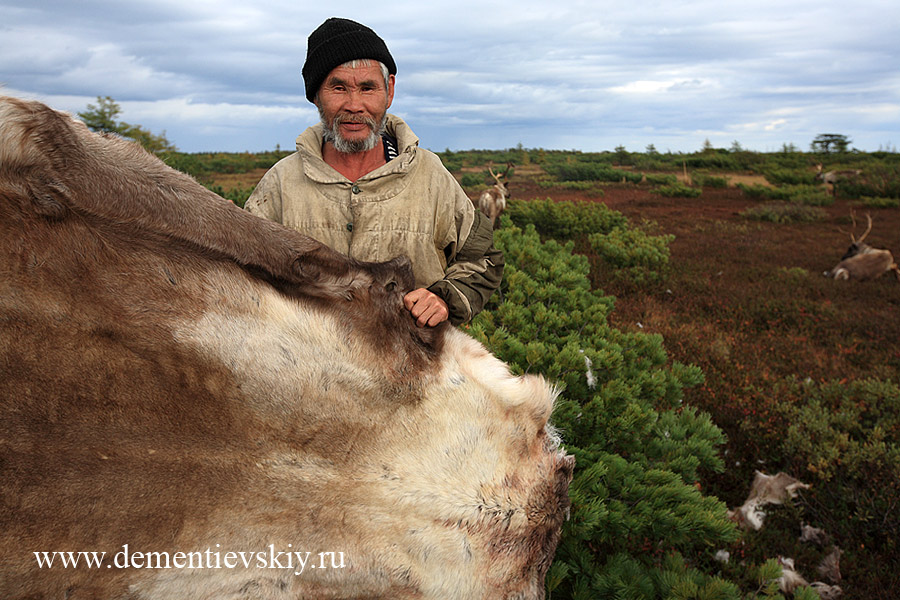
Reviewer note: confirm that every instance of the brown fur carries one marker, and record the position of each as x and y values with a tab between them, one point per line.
862	262
492	202
833	178
179	374
766	489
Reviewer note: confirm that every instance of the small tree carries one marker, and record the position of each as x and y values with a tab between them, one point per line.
826	143
101	117
623	157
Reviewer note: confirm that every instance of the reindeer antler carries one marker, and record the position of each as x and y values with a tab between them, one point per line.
865	233
491	171
868	229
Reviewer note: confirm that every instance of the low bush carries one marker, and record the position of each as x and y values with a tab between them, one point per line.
591	188
877	202
565	220
661	178
469	180
579	171
202	164
784	212
763	192
777	176
710	181
678	190
633	254
811	195
843	438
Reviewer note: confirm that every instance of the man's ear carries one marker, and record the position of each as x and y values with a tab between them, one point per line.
390	91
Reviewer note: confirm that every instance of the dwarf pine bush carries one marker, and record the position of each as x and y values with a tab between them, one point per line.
844	435
777	176
580	171
638	520
711	181
565	220
633	253
678	190
660	178
784	212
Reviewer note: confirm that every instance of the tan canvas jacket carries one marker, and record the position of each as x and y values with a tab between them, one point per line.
410	206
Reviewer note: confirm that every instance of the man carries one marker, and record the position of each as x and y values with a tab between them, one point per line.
359	183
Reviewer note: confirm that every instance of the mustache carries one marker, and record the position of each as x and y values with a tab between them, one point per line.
346	118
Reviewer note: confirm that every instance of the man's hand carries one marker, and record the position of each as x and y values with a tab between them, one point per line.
426	308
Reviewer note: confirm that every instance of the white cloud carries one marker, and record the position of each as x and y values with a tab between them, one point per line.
571	74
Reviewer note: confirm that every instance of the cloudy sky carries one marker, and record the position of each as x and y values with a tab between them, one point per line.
225	75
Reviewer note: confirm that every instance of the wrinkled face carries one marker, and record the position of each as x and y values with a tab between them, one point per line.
353	103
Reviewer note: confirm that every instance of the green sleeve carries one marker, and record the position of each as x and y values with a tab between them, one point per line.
473	274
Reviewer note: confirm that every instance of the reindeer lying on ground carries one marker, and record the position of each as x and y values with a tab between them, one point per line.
492	201
835	177
861	261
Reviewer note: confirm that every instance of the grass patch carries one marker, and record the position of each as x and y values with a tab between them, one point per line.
785	212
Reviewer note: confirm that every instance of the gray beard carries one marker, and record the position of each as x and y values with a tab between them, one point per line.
341	144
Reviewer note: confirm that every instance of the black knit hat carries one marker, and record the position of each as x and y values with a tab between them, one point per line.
335	42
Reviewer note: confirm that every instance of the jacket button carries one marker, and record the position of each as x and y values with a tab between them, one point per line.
349	226
355	189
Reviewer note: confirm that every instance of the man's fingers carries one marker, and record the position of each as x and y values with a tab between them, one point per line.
427	308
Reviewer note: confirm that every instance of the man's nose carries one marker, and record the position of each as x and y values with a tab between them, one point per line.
354	101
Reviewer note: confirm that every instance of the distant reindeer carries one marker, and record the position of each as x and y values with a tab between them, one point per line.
835	177
492	201
861	261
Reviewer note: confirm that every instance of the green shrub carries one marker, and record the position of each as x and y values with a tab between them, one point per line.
712	160
632	253
584	186
763	192
876	180
844	439
777	176
635	509
469	180
812	195
785	212
870	202
704	180
579	171
661	178
202	164
678	190
565	220
452	161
